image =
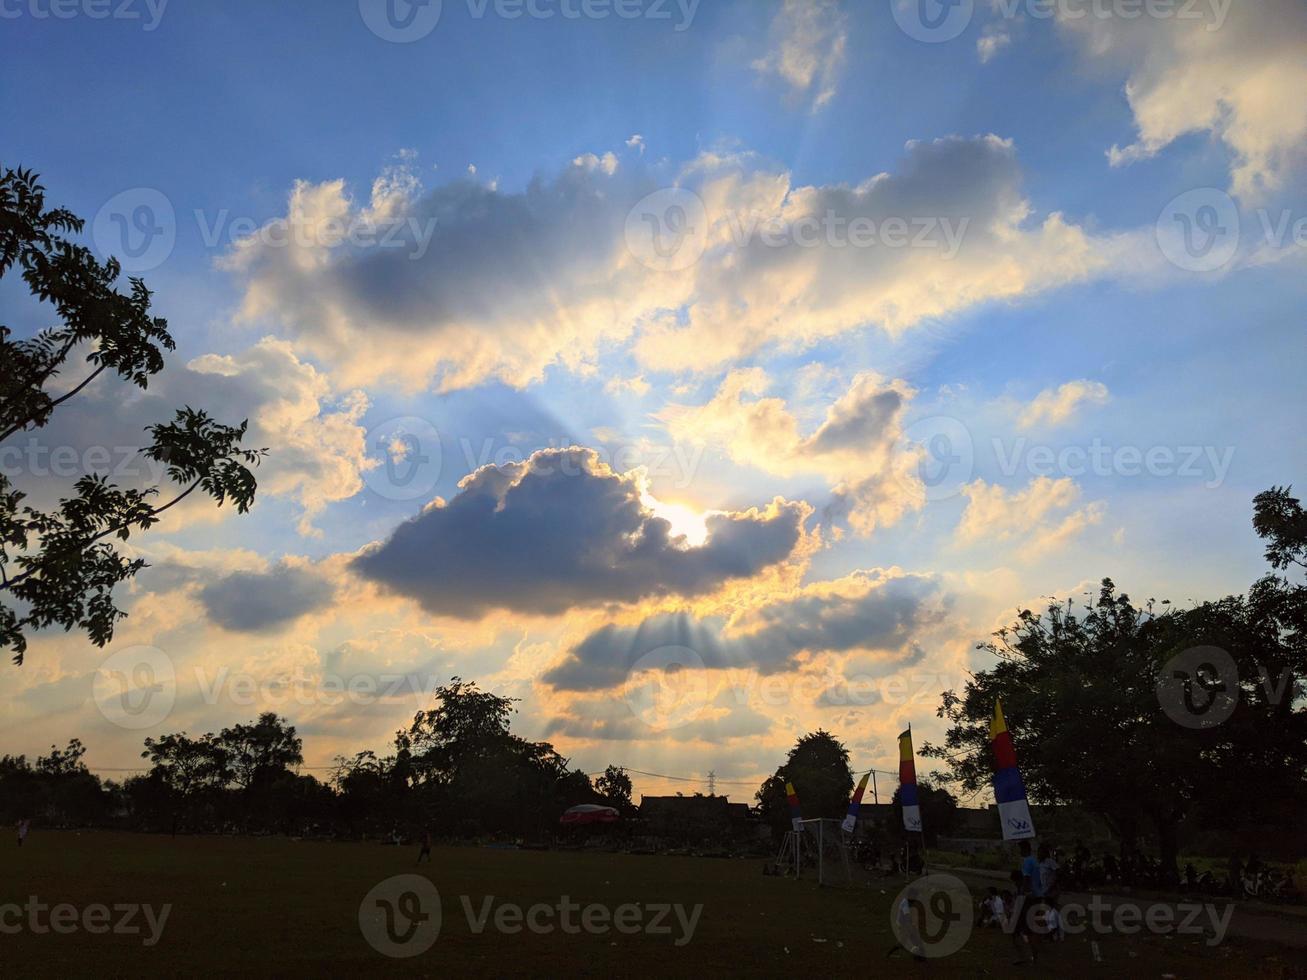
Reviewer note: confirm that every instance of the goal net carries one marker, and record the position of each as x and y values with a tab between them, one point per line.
823	852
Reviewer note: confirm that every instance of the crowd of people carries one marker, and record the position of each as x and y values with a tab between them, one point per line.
1251	879
1133	869
1031	907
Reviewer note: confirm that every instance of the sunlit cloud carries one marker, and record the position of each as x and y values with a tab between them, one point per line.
807	39
561	530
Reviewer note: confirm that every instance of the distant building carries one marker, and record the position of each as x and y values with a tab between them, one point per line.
977	827
693	818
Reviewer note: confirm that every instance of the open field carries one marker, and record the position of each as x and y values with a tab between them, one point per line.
275	906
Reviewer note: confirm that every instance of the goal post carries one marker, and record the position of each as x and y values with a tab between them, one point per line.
823	846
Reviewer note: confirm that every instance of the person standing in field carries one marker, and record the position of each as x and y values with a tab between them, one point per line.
23	826
1048	872
1030	899
907	926
426	846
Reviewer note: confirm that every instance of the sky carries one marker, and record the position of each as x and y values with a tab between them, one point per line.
700	374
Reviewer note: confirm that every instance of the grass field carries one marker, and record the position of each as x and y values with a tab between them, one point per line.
275	906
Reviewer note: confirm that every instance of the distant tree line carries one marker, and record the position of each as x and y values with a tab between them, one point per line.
457	770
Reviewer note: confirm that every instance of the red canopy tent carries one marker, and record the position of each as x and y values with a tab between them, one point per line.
590	813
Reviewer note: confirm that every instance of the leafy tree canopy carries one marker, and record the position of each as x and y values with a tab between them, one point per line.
1086	691
58	567
818	766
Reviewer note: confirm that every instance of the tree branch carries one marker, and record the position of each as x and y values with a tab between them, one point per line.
24	423
9	583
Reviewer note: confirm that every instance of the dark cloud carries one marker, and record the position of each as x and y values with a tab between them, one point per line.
726	716
561	530
251	602
843	693
885	614
865	419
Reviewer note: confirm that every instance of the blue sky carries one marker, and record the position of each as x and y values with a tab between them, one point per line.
750	398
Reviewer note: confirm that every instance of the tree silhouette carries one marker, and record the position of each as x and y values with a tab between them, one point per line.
615	787
59	567
818	766
1279	520
1082	689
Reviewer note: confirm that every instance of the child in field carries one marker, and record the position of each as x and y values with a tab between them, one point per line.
908	931
991	909
426	847
1053	923
23	826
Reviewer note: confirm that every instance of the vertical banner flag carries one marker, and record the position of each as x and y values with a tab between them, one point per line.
908	783
796	816
1009	791
855	805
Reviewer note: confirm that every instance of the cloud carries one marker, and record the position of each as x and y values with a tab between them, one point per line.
636	385
561	530
318	453
478	284
312	430
1055	406
717	719
1039	518
252	602
1235	70
788	266
993	39
840	694
606	164
349	671
876	610
807	40
475	284
857	446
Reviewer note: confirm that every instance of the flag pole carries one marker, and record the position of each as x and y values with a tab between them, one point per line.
923	823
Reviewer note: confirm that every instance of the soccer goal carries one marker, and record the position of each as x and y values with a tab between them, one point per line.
818	847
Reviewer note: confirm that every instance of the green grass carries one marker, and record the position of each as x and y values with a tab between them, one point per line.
273	906
988	860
